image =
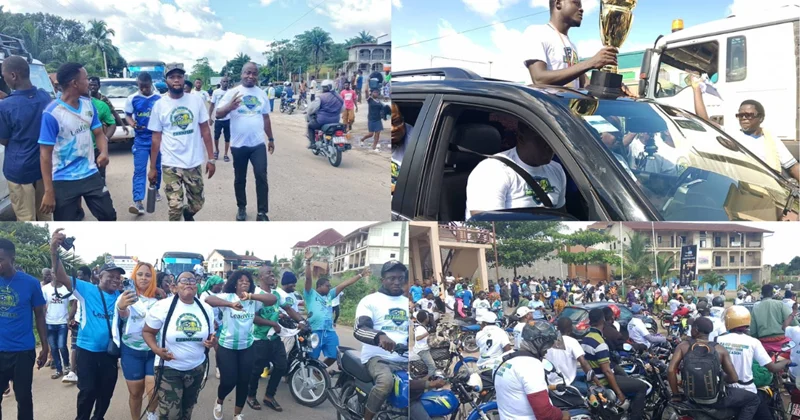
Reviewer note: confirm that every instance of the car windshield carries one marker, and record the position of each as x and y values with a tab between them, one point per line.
41	80
575	314
687	168
118	89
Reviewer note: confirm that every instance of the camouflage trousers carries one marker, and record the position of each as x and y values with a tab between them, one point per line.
178	180
178	391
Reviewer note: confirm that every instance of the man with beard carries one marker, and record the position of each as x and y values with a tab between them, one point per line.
180	133
138	108
554	59
287	301
381	324
98	369
221	125
68	163
248	109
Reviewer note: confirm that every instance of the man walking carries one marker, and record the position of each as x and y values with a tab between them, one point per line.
23	301
137	113
20	121
350	106
359	84
94	92
313	89
68	165
178	122
221	125
249	111
57	302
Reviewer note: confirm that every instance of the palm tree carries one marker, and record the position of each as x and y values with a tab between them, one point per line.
298	266
317	43
712	279
99	39
637	258
364	37
665	264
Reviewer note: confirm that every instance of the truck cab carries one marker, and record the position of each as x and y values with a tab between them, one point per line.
753	56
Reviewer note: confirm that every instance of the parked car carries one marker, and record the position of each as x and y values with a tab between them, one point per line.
675	167
580	316
117	91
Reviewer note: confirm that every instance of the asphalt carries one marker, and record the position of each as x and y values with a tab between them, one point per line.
301	186
53	399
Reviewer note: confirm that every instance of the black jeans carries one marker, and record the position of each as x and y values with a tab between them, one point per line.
335	314
745	401
222	127
258	157
629	386
514	300
266	352
235	367
96	382
18	367
93	190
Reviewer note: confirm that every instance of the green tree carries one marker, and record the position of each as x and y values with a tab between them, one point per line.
665	266
233	68
318	43
99	36
586	239
100	260
712	279
298	266
203	71
637	258
520	244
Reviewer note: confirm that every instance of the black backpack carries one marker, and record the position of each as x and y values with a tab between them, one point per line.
702	373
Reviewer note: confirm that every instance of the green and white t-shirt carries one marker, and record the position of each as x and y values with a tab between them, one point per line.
237	326
287	299
270	313
132	327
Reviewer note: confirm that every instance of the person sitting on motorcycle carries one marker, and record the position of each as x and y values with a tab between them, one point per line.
521	377
734	398
739	298
566	355
613	337
382	322
718	306
422	328
417	387
524	314
615	311
491	340
639	333
793	333
745	349
460	310
599	358
288	93
495	302
704	310
326	109
674	303
768	316
480	304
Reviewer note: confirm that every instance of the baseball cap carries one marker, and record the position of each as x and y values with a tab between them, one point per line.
487	317
522	311
169	68
110	266
427	291
392	265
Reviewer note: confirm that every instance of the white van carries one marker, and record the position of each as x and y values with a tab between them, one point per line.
12	46
753	56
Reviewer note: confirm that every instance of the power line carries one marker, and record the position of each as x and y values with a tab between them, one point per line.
298	19
470	30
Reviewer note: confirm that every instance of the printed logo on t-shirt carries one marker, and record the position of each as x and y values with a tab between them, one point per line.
546	186
399	317
251	103
243	316
189	325
8	299
143	114
182	117
570	57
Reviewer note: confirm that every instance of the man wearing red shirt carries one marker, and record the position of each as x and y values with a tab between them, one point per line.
350	106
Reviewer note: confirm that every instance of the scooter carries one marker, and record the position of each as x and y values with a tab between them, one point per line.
330	141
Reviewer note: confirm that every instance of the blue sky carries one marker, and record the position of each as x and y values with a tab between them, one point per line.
501	43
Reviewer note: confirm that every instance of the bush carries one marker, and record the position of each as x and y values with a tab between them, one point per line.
353	294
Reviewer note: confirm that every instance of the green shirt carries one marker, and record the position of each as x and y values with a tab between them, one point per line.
270	313
103	114
768	316
237	326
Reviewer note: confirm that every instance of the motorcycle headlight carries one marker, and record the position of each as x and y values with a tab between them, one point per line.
313	340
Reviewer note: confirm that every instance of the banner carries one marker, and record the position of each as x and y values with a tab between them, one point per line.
688	272
704	260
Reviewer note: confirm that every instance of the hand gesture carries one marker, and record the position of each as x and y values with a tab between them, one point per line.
386	343
365	274
165	355
237	100
102	160
211	341
160	293
237	306
607	56
57	239
48	202
126	300
309	253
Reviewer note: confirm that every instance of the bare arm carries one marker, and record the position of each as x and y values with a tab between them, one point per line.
102	140
541	76
267	299
612	380
205	131
149	336
130	121
700	106
672	370
261	321
155	148
292	313
216	302
267	126
41	329
789	319
61	276
109	130
73	308
46	165
343	285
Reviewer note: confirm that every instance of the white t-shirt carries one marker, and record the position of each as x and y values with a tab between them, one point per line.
674	304
757	147
216	96
637	331
247	121
203	94
335	301
389	315
566	361
186	332
719	328
312	87
420	344
748	299
743	350
491	340
57	306
450	279
426	305
518	334
514	381
554	49
449	305
793	333
179	121
480	305
493	185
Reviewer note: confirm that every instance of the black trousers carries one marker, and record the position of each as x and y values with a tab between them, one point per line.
93	190
266	352
514	300
18	367
235	367
629	386
335	314
258	157
95	383
222	127
313	125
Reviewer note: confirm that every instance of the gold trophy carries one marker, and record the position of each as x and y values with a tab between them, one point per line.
616	17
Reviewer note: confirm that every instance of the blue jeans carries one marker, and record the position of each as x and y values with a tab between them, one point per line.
57	339
271	104
328	343
141	155
136	364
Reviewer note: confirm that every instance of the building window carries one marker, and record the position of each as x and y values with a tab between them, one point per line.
396	234
658	239
377	54
392	255
717	241
717	261
363	55
377	67
732	259
388	54
683	240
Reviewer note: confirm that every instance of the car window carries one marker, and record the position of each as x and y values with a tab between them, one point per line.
625	314
687	168
118	89
575	314
678	63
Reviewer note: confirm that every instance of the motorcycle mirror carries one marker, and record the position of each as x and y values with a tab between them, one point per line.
548	367
627	347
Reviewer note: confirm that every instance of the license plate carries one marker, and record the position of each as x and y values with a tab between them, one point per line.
339	140
794	409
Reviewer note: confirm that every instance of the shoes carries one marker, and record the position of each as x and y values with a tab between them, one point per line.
70	378
217	411
272	404
216	155
262	217
226	159
158	196
56	375
241	215
217	373
265	373
67	368
239	417
151	416
137	208
187	215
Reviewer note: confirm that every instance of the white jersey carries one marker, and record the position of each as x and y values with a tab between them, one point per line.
237	326
744	350
565	361
491	340
186	332
514	381
389	315
132	328
57	306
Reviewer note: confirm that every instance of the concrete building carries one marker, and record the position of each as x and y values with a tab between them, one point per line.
371	246
368	58
732	250
319	243
222	261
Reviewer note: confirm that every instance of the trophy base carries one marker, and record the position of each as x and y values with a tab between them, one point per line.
605	85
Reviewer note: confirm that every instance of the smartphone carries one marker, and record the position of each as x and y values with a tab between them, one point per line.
128	286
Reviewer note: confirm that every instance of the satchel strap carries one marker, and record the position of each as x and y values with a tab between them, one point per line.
105	310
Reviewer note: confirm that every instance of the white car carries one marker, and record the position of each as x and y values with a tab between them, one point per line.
117	91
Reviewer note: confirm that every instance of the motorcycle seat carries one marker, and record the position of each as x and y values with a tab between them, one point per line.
473	327
351	363
719	414
332	127
465	321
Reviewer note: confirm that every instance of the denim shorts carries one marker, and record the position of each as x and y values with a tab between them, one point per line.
136	364
328	342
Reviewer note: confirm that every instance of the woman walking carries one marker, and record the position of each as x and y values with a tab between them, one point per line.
136	357
235	354
181	349
374	116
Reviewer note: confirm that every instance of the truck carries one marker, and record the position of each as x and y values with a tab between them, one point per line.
753	56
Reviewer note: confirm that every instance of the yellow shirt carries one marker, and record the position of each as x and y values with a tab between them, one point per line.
559	305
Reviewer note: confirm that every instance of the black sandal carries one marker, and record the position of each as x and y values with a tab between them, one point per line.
272	404
253	403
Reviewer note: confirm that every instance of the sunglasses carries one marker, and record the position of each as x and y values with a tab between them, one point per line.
188	281
746	115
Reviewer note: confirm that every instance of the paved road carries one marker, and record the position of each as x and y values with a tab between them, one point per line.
53	399
302	186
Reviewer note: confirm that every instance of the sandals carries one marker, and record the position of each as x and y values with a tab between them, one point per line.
227	159
253	403
272	404
56	375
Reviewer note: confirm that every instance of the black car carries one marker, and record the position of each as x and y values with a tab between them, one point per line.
579	314
624	159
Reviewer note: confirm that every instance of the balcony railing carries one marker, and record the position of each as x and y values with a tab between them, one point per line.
462	234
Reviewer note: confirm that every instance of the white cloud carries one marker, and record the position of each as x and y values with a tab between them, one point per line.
267	2
358	15
397	3
488	8
741	7
589	6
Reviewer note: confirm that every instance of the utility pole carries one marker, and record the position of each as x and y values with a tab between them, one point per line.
496	258
403	231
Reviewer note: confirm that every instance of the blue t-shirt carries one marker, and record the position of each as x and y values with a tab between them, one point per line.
93	334
320	308
416	293
359	82
69	131
20	121
467	297
18	296
138	107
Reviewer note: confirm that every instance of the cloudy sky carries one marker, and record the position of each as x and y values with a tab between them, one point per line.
504	44
148	241
185	30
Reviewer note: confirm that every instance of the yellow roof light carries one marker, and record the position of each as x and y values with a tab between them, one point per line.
677	25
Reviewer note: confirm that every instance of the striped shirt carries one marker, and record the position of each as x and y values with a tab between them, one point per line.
597	352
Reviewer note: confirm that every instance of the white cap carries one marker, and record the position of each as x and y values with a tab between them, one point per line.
488	317
522	311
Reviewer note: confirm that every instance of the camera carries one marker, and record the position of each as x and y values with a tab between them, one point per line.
68	243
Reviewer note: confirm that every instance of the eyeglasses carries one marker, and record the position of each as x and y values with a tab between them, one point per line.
396	279
746	115
188	281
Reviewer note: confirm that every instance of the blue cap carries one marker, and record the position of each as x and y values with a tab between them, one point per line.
428	290
636	308
288	278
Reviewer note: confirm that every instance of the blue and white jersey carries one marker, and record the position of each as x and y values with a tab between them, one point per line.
138	107
69	131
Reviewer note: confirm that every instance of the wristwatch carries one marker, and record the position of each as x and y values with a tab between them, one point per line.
271	140
213	161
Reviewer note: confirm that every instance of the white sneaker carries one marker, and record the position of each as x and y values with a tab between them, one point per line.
151	416
239	417
217	373
217	411
70	378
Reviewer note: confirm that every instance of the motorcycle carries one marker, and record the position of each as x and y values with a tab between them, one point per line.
468	331
308	378
287	105
460	401
443	357
600	404
330	141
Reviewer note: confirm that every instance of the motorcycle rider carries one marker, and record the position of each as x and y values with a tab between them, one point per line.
381	323
326	109
703	310
491	340
638	332
521	377
767	319
566	355
524	314
612	336
718	306
746	402
739	298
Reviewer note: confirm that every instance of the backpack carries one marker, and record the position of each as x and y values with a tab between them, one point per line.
702	373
